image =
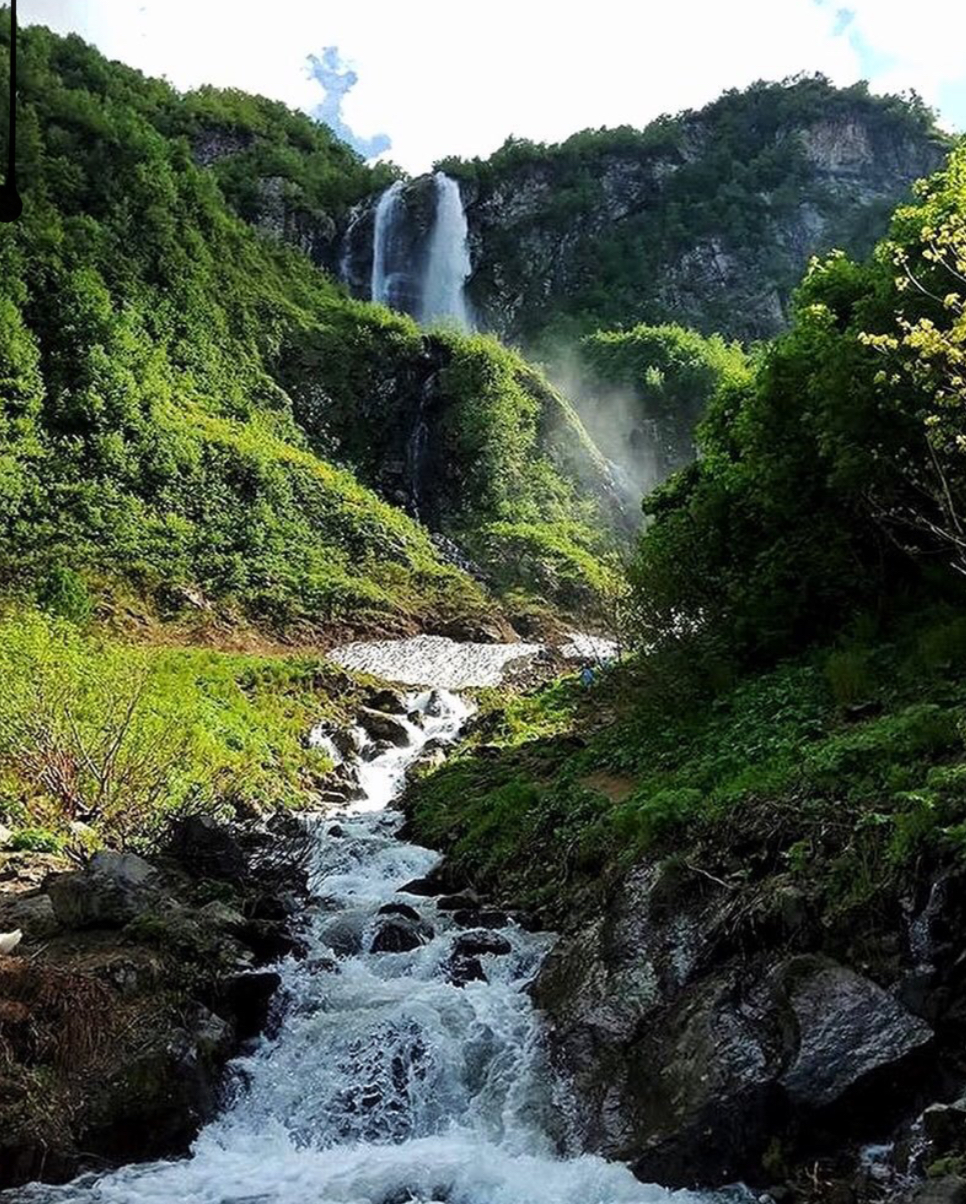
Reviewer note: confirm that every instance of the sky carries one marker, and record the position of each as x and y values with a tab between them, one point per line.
441	77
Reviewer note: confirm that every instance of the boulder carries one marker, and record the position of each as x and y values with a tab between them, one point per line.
114	889
343	933
32	913
479	942
390	702
384	727
208	849
848	1028
397	934
461	970
245	999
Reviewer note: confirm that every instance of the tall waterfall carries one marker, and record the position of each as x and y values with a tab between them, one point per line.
387	212
420	252
448	262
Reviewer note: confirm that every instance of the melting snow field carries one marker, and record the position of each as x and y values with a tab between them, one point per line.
385	1081
439	661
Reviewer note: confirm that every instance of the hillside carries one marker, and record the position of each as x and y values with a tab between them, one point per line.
706	218
178	382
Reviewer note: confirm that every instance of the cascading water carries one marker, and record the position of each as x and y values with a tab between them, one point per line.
420	267
448	261
385	1082
384	222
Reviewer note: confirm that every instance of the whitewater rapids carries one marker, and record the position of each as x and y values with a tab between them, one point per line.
384	1083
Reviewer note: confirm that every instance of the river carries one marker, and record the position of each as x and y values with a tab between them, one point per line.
385	1082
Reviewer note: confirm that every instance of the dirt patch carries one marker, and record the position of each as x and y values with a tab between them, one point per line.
616	786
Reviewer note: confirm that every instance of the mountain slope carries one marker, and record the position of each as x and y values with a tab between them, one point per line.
151	346
707	218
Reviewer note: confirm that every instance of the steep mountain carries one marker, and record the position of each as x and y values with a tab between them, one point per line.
187	403
707	218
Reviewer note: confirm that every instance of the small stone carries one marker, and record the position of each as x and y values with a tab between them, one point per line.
390	702
400	909
384	727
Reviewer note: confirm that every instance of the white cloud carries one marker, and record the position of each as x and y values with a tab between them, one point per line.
454	76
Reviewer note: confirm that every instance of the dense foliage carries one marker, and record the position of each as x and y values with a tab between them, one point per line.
706	217
146	334
844	455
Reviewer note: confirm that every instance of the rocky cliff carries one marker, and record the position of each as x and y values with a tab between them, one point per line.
707	218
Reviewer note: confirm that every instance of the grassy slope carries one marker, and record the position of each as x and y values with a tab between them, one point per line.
841	767
144	332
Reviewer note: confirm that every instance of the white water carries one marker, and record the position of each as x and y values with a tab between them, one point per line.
448	263
386	213
385	1083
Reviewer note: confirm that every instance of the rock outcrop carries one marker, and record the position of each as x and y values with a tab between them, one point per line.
135	982
770	177
705	1039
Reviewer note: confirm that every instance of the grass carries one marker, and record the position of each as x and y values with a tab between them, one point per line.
845	777
116	738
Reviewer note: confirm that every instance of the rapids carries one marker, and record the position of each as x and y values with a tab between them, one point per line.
382	1081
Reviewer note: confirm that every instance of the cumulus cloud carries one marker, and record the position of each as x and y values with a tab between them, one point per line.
338	80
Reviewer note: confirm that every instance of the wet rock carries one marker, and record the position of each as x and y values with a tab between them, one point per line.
461	970
480	918
246	999
399	935
336	831
483	941
208	849
384	727
390	702
466	901
114	889
343	933
399	909
424	887
435	705
376	749
848	1028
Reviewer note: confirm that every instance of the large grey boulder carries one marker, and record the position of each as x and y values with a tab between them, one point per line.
847	1029
114	889
691	1047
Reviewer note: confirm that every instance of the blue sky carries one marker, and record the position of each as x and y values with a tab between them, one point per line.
443	77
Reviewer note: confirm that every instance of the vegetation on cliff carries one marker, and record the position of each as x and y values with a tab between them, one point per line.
798	594
705	217
147	336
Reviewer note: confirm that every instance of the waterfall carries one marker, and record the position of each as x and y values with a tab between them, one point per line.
420	253
448	261
382	237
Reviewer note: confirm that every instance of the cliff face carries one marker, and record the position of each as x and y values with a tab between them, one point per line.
709	220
